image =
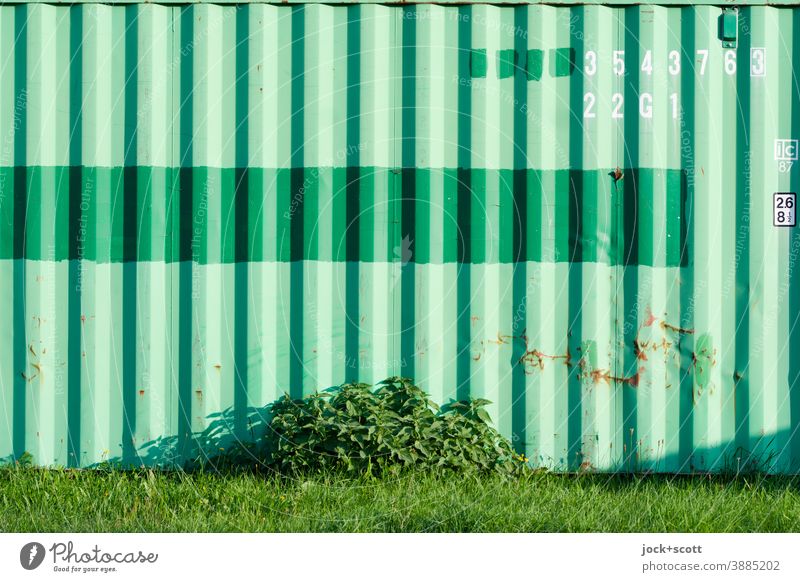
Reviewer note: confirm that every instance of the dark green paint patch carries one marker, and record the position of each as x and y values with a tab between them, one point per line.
535	64
506	63
478	63
562	61
449	215
704	360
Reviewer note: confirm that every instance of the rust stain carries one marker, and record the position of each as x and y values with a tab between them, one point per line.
639	349
476	357
603	375
651	319
199	394
675	328
141	392
536	358
501	339
31	350
39	374
218	367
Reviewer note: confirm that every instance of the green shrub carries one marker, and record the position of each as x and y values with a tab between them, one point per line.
356	429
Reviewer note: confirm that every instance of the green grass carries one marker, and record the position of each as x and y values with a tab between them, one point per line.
116	501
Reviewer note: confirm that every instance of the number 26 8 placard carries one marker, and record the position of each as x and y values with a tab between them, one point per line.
784	209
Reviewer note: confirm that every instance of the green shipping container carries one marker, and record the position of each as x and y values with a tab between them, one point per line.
569	210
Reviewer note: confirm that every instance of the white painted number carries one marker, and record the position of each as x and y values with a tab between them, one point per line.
675	62
588	106
647	63
591	63
616	99
730	62
646	106
703	54
758	62
619	63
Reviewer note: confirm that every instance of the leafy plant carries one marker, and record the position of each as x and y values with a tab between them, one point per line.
25	460
356	429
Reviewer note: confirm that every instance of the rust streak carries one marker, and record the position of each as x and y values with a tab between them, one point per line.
536	358
676	328
606	376
501	339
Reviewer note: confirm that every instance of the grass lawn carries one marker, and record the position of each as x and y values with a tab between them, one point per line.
145	501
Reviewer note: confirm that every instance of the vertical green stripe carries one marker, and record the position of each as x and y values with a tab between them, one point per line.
408	189
688	146
130	284
353	189
741	380
297	204
574	423
20	210
463	201
240	225
183	221
515	202
629	186
76	188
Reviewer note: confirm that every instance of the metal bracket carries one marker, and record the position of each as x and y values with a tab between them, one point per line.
728	27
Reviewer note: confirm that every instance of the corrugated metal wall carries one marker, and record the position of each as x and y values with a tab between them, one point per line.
566	210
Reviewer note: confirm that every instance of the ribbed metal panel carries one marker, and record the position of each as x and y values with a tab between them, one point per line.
205	206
